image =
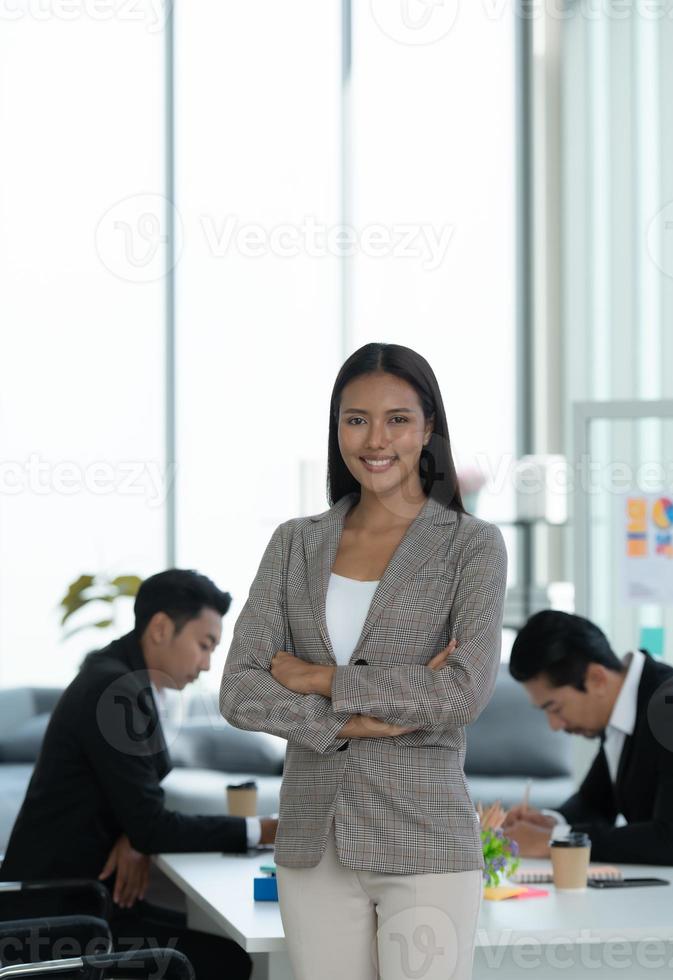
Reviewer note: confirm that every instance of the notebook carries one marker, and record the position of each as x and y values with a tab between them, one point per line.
542	874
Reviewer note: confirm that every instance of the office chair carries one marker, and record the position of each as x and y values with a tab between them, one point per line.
166	964
24	941
67	896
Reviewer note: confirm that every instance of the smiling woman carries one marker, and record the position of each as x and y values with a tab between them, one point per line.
371	671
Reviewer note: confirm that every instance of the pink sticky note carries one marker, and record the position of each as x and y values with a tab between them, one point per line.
533	893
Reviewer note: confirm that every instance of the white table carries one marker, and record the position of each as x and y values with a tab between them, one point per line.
218	889
625	932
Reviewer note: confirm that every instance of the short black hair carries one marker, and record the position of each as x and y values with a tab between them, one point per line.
561	646
180	593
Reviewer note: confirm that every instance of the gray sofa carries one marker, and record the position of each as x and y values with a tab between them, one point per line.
508	744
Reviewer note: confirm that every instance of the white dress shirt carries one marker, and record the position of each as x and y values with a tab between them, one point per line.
623	716
346	607
621	724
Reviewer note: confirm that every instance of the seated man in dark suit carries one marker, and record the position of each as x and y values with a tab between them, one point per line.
95	806
625	802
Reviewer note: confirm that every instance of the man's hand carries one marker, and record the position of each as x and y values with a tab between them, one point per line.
528	815
301	677
133	871
269	827
532	839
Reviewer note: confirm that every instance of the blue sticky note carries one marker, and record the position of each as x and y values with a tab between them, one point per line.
266	889
652	640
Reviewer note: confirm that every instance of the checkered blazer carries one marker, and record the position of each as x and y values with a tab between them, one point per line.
399	804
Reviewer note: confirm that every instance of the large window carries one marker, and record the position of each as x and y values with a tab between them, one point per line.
335	188
343	172
617	166
81	308
433	140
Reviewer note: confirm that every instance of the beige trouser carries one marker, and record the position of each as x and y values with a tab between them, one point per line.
364	925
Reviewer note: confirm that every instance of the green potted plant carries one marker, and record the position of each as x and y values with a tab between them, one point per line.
96	588
501	856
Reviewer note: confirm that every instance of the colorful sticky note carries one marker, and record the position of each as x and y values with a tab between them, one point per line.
496	893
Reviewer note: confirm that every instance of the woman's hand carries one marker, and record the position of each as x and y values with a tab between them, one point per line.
301	677
133	871
440	658
365	726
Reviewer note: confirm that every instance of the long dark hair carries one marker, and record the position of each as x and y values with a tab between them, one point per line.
435	466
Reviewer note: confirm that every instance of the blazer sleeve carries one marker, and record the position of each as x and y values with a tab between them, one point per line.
640	842
250	698
457	693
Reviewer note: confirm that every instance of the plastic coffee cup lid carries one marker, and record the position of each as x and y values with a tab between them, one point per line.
574	839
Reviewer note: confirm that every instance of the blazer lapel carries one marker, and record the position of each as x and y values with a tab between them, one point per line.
321	537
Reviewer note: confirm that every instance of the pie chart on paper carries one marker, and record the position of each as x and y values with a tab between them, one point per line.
662	513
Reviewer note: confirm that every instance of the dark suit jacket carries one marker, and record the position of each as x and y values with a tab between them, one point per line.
643	791
98	775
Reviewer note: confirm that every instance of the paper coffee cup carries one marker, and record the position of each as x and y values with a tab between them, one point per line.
242	799
570	862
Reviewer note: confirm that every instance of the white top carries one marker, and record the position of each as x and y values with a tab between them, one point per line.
346	608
